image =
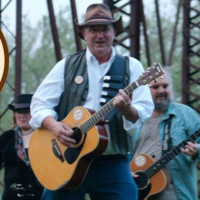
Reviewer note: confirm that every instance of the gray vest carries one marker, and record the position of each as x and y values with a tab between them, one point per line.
75	95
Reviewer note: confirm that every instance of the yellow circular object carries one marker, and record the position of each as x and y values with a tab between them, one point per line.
4	60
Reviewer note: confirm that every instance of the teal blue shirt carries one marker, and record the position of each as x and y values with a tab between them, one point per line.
185	121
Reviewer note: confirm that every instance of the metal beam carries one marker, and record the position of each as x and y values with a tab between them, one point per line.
54	30
74	17
18	56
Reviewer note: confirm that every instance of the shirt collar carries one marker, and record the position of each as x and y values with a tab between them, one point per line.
91	58
170	111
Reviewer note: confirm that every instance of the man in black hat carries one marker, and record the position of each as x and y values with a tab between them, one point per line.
91	78
20	182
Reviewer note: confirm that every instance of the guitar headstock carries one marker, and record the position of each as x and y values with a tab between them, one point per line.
150	74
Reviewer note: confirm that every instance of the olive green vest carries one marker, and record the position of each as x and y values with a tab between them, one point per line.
75	95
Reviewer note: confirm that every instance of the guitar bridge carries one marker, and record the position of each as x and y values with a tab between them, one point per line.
57	151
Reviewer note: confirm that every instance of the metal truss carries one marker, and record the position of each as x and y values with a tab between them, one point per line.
191	55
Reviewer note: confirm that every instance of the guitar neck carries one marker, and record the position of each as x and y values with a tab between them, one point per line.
105	110
157	166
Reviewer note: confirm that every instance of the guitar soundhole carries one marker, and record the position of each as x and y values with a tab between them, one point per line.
77	135
142	181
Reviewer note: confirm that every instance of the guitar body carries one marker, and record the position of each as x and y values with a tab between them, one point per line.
57	166
147	186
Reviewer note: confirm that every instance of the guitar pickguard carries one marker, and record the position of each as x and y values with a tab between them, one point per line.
144	185
71	154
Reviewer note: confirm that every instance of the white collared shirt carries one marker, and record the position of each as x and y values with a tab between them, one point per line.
48	93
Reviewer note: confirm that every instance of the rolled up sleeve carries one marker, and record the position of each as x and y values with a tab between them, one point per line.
141	98
47	96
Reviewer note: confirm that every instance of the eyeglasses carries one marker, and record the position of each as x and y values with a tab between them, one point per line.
27	111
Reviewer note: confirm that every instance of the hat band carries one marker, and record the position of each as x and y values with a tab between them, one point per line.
22	105
98	17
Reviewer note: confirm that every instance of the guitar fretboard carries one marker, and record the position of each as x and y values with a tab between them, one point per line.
157	166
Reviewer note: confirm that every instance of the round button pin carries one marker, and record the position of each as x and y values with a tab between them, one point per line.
78	80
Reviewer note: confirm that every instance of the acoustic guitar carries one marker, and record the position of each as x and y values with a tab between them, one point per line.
152	179
57	166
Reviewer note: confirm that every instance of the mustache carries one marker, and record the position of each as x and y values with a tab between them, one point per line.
100	41
161	95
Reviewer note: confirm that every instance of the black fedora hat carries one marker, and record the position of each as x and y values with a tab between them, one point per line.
99	14
22	102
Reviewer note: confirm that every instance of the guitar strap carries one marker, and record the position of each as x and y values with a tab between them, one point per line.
167	142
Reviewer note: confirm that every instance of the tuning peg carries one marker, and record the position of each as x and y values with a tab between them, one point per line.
161	77
149	85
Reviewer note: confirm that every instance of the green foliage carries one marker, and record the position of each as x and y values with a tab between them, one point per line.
38	54
167	26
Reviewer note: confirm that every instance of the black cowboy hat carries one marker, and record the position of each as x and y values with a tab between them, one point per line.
22	102
99	14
